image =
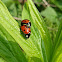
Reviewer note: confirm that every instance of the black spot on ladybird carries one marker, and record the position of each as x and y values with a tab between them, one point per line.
24	30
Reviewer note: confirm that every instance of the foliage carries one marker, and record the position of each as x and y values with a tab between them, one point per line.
45	42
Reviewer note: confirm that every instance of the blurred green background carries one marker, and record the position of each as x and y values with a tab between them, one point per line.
50	10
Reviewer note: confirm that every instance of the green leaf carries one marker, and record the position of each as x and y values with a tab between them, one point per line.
9	49
57	52
58	3
58	34
42	29
2	60
7	2
35	37
14	7
50	14
37	1
30	12
10	30
13	10
19	10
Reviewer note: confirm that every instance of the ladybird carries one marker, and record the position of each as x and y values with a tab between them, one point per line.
26	22
26	31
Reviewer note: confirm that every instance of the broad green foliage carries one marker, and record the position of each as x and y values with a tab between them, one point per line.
14	7
57	54
50	14
42	29
39	47
9	49
51	19
37	1
58	3
13	10
10	30
35	35
2	60
58	34
8	2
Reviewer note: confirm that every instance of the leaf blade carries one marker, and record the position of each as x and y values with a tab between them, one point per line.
42	28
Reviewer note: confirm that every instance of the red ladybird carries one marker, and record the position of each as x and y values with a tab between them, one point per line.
26	22
26	31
